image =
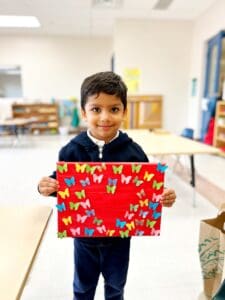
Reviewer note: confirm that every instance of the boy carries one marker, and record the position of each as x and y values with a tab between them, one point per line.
103	107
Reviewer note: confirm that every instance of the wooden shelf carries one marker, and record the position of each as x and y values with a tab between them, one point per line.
219	129
45	115
144	111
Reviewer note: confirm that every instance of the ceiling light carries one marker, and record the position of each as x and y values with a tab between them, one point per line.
107	3
19	21
163	4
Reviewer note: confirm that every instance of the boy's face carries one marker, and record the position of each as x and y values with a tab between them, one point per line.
104	115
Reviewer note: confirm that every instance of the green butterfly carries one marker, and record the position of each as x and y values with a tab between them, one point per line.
157	185
110	189
97	221
62	234
136	168
80	194
134	207
90	169
124	234
117	169
62	168
137	181
150	223
74	205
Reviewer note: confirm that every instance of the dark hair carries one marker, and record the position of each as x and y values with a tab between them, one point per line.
103	82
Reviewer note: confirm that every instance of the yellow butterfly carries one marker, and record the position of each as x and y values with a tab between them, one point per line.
64	194
148	176
67	220
143	202
130	225
110	232
80	168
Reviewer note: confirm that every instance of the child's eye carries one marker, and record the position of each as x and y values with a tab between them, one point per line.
115	109
96	109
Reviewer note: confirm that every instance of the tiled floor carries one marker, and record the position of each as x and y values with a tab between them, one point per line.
161	268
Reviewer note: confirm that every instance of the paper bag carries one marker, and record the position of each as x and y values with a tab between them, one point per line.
211	252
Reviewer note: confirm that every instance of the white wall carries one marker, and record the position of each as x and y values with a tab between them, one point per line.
205	27
161	50
54	66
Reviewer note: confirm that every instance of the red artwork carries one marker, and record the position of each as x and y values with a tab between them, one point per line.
109	199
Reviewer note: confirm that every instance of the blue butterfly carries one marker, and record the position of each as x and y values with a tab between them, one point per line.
61	206
161	168
90	213
69	181
85	182
139	232
143	214
88	231
120	224
153	205
156	215
112	181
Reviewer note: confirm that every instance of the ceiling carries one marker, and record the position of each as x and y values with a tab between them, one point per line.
80	18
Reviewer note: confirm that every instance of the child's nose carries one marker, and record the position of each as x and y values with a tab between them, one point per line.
105	115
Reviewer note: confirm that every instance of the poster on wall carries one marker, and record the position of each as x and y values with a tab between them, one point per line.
131	77
109	199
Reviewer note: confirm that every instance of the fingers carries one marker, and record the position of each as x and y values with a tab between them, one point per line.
168	197
47	186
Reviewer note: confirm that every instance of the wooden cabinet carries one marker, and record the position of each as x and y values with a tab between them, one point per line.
45	116
219	128
144	111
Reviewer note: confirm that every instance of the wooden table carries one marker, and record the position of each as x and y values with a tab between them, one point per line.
22	229
165	143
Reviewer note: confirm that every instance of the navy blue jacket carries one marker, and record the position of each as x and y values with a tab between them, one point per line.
83	149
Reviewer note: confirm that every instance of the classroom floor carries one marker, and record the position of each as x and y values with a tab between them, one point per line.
161	268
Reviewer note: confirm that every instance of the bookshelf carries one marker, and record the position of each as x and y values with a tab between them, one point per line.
45	116
219	128
144	111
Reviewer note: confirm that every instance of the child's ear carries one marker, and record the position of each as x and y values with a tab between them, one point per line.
83	114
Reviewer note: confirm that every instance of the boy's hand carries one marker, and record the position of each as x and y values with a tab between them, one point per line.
168	197
47	186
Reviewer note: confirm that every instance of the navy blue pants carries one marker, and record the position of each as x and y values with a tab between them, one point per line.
95	256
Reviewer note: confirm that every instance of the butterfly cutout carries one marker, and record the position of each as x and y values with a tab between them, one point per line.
139	232
75	231
120	224
67	220
61	207
64	194
62	168
161	167
101	167
85	182
128	215
81	219
135	168
134	207
150	223
130	225
97	221
137	181
90	213
157	185
141	194
69	181
110	232
117	169
97	178
112	181
125	179
155	232
153	205
143	202
156	215
80	168
101	229
148	176
143	214
90	169
86	204
111	189
156	198
62	234
88	231
80	194
124	234
74	205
